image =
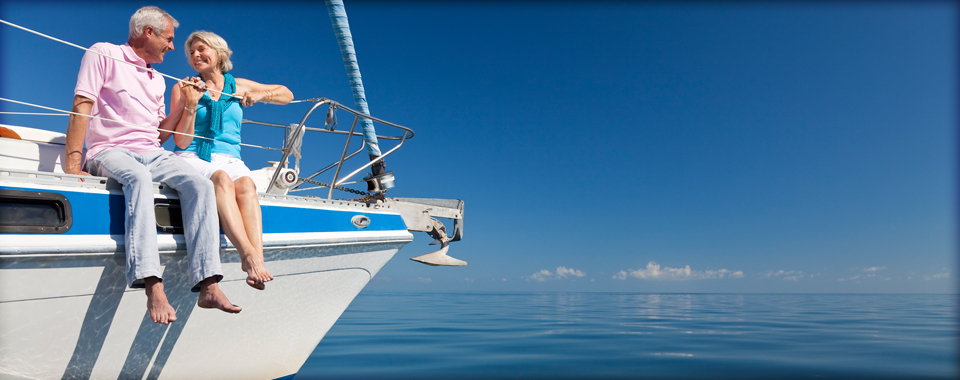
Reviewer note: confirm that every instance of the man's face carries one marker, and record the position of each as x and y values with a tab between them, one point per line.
158	43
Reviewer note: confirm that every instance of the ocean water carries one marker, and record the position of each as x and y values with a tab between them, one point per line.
389	335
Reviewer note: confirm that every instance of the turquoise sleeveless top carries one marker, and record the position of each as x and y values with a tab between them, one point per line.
226	139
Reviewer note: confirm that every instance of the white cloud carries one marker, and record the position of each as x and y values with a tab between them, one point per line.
936	276
541	276
467	279
561	273
422	280
564	272
874	269
790	275
654	271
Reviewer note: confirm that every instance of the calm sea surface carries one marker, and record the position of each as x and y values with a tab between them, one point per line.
640	335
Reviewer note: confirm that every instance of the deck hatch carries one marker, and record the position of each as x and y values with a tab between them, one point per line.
34	212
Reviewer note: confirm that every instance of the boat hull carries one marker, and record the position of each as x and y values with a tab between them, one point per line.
66	312
81	321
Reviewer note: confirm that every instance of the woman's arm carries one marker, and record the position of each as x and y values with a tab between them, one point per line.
173	118
254	92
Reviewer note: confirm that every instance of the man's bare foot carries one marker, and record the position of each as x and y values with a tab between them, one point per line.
160	309
257	274
212	298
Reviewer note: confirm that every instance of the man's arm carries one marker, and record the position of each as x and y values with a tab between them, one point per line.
76	132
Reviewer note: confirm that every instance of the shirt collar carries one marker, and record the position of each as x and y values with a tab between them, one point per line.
132	57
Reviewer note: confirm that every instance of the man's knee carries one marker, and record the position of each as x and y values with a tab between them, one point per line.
136	177
195	183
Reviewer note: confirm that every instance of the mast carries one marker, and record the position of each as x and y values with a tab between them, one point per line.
338	17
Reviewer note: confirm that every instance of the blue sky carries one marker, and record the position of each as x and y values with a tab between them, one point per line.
769	147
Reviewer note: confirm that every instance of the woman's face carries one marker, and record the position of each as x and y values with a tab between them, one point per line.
203	58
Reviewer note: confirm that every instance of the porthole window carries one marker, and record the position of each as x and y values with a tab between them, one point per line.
34	212
169	217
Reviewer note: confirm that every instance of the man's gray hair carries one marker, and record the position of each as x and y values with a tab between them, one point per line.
150	16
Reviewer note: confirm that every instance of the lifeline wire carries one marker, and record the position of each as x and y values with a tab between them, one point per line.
122	122
34	113
107	56
128	63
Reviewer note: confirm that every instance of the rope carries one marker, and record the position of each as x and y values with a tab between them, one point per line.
305	100
64	113
107	56
131	64
33	113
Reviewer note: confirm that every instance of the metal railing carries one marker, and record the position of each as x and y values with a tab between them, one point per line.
301	128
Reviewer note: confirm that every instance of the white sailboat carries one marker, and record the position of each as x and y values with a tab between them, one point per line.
65	310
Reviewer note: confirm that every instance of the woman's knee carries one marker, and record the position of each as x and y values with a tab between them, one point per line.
222	181
245	187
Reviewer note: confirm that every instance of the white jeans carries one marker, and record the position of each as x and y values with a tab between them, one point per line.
201	228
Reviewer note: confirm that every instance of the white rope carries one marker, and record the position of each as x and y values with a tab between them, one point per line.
65	113
113	58
131	64
34	113
305	100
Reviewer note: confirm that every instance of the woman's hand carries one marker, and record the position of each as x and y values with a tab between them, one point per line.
252	92
192	92
249	98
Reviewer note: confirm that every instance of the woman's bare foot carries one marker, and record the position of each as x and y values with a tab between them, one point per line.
212	298
257	274
157	304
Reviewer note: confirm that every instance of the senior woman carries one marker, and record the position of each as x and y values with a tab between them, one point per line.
217	115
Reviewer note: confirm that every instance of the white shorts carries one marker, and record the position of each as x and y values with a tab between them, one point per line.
234	167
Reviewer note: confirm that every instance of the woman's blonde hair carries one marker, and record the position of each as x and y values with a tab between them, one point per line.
214	41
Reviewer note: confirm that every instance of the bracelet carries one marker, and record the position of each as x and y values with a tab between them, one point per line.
269	96
192	111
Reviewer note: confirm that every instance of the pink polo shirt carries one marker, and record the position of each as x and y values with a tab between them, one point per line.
120	92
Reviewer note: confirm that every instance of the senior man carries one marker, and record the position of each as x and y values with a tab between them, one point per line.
130	153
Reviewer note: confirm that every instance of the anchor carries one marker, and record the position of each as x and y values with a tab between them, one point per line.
420	214
439	257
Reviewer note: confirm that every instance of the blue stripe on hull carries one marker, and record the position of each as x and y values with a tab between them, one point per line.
293	219
96	214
